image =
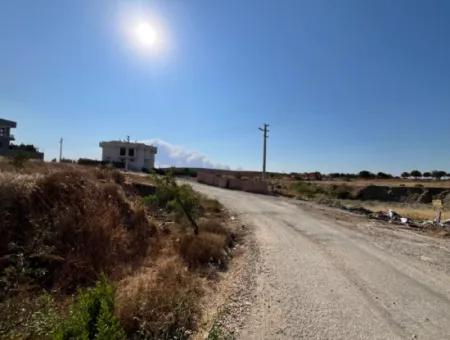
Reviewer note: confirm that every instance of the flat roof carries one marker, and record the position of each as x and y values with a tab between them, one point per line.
8	123
125	143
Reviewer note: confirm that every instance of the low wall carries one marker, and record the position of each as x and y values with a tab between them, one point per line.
259	187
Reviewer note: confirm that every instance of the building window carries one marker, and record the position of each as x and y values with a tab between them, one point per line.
123	151
2	131
131	152
131	159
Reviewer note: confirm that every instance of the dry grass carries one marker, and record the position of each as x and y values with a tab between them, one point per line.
63	225
67	228
417	212
205	248
160	305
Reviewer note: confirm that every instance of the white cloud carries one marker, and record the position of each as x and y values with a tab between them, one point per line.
178	156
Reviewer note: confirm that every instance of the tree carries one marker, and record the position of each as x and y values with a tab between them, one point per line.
366	174
405	174
426	174
416	174
382	175
438	174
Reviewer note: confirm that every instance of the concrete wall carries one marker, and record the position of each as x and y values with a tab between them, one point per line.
248	185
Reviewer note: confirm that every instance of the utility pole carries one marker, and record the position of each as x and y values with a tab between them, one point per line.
265	136
126	153
60	149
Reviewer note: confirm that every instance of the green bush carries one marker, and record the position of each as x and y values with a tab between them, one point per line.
341	191
181	200
186	201
305	189
92	316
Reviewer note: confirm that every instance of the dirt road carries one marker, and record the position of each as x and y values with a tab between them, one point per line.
325	274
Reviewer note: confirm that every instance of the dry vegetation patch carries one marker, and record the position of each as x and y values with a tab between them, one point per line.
64	228
160	305
67	228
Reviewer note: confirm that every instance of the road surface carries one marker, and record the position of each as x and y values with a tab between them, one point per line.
325	274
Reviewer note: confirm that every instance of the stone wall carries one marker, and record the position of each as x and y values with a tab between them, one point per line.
249	185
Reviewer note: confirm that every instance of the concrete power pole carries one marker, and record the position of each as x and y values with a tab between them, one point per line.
126	153
265	136
60	149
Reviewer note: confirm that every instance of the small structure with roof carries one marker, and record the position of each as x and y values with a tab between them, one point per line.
131	156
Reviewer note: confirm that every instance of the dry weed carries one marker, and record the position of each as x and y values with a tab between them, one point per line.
160	305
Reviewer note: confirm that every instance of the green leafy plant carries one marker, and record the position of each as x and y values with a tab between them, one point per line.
91	316
305	189
181	200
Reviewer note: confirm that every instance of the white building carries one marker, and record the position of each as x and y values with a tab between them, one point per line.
133	156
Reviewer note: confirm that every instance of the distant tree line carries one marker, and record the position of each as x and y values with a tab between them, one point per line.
436	174
416	174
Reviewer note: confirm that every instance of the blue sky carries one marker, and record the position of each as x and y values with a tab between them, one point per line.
345	85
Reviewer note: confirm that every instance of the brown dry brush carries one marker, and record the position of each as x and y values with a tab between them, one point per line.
210	246
164	306
62	229
65	228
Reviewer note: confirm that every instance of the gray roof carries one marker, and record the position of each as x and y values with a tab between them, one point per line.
7	123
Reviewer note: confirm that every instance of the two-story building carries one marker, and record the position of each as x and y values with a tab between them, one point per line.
133	156
5	135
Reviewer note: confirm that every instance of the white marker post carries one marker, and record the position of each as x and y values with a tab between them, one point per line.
437	204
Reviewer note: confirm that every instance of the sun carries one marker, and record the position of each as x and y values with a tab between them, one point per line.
145	34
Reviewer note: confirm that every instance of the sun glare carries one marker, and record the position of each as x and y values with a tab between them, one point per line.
145	34
145	31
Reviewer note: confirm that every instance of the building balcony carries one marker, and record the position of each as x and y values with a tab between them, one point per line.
7	137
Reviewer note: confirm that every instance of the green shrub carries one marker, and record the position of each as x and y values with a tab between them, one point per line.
305	189
92	316
186	201
181	200
341	191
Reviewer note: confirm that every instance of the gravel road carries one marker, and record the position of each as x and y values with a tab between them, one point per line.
326	274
